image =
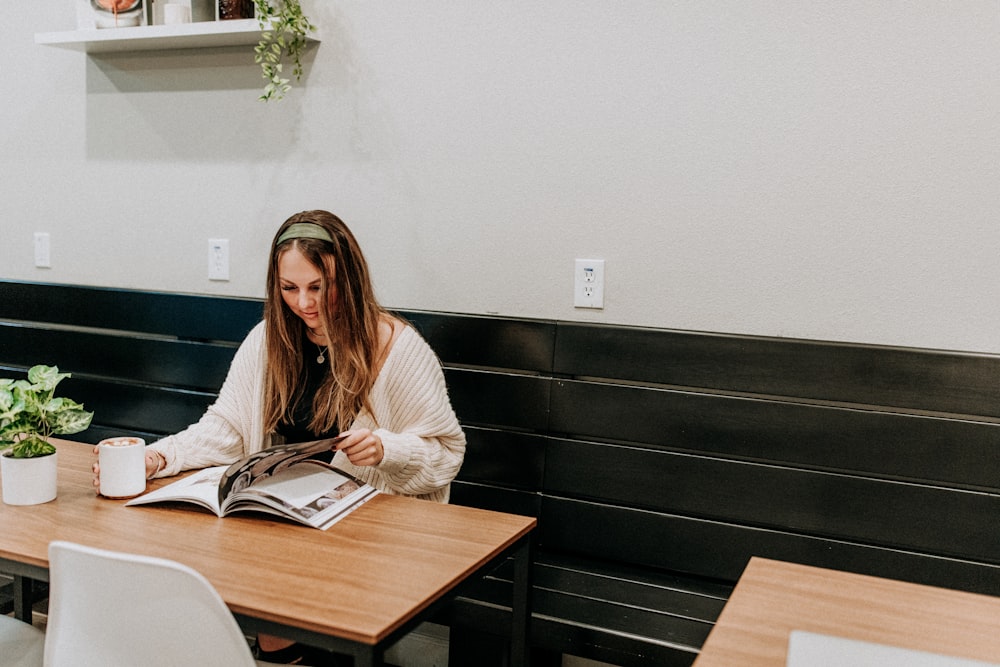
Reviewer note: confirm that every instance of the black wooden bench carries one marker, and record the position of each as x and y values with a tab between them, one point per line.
146	363
667	459
658	462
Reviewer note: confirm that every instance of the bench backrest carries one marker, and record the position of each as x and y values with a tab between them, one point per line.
694	452
146	363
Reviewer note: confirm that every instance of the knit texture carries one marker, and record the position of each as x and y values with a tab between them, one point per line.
411	412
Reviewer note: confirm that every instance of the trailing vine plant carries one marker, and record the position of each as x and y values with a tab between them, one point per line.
283	38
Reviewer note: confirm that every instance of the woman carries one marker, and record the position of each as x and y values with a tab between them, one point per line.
328	360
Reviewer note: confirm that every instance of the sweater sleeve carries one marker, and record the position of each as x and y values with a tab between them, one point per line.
225	433
423	442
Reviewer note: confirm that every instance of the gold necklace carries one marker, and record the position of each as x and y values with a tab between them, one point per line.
322	354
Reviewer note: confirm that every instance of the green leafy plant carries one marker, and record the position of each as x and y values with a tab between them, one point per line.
283	36
30	413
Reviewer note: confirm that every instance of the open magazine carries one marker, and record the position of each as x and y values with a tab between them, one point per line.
295	481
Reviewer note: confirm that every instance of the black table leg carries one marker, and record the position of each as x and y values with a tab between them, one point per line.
23	598
368	657
520	648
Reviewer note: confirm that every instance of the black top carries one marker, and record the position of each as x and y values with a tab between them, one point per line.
312	377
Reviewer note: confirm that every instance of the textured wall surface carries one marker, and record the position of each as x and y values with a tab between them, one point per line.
812	170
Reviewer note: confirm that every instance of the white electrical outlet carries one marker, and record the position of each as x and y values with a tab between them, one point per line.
218	259
43	250
588	283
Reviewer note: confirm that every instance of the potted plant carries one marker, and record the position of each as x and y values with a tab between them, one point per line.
30	414
284	28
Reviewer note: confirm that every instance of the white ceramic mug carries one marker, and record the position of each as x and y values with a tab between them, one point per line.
123	466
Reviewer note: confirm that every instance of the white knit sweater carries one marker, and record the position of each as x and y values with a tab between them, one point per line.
424	444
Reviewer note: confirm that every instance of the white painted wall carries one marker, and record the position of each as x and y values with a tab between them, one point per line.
802	169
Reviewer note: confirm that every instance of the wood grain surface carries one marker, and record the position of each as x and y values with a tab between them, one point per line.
772	598
360	580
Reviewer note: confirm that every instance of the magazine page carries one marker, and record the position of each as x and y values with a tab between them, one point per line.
201	487
267	462
311	492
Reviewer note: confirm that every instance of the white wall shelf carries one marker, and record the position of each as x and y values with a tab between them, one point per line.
238	32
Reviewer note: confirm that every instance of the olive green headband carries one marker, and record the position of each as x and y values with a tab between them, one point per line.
305	230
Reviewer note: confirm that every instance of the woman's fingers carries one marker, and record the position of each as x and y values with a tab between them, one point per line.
362	447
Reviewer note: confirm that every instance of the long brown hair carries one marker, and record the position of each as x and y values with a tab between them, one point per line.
351	327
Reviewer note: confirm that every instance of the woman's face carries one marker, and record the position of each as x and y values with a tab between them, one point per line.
300	282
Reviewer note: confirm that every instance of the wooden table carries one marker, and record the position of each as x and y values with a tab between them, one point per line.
773	598
355	588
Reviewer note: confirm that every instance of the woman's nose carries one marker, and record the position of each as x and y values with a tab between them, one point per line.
305	299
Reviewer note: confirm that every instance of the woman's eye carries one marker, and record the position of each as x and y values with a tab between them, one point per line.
288	288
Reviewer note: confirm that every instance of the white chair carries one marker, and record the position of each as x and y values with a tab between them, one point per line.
20	643
109	609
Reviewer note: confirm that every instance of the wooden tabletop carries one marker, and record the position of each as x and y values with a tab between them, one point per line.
773	598
360	580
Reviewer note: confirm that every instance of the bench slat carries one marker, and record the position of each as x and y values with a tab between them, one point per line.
526	345
192	316
956	452
715	549
512	501
133	408
502	458
481	398
178	363
869	374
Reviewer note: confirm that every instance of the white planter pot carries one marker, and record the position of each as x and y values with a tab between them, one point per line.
28	481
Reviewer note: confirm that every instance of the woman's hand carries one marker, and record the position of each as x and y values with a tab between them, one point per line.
154	463
363	448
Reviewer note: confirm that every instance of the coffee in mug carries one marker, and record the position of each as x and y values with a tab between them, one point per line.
123	466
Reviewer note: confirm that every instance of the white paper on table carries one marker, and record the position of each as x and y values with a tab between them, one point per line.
810	649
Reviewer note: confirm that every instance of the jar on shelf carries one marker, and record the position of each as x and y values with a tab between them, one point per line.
235	9
117	13
201	10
